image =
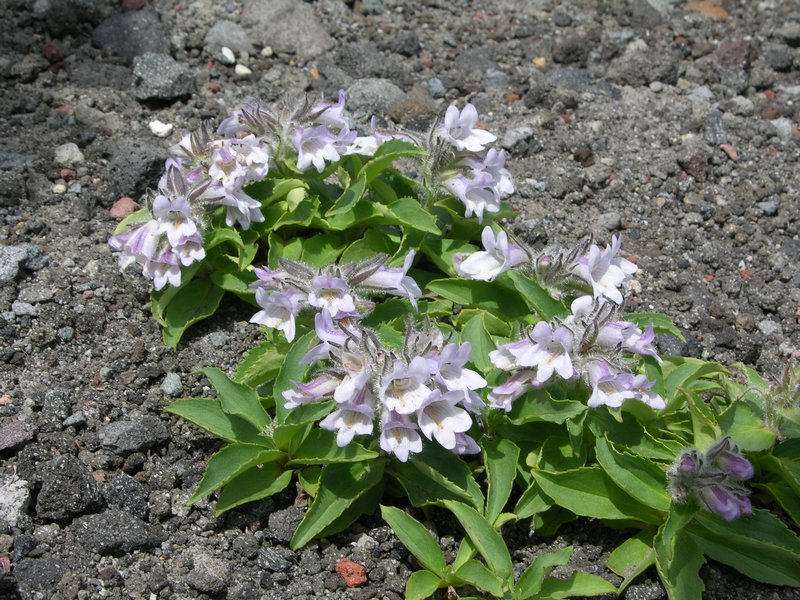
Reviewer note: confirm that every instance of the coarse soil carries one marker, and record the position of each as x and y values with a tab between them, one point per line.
672	124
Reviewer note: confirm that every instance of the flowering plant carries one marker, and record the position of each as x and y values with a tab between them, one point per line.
410	338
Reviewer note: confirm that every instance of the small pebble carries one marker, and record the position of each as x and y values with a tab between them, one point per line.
242	71
227	55
656	86
768	327
123	207
65	334
172	386
59	188
160	129
266	51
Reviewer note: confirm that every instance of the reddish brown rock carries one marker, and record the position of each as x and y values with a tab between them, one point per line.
129	5
354	574
15	433
694	164
123	207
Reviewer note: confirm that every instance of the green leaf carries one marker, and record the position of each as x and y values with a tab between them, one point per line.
786	497
538	405
500	301
785	468
232	280
476	574
143	214
254	484
442	252
688	371
633	435
387	153
500	457
747	430
475	333
292	370
302	215
416	538
238	399
589	492
320	448
558	453
704	427
340	487
577	584
760	546
408	212
322	249
208	414
537	297
661	323
221	235
352	194
193	302
678	559
486	540
262	363
309	479
372	243
642	479
531	502
421	585
531	580
633	557
494	325
231	461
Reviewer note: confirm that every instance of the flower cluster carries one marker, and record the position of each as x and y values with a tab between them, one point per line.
338	290
601	272
715	479
170	237
474	174
587	345
425	388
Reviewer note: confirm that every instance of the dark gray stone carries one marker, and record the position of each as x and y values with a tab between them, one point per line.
161	77
138	434
287	26
11	258
116	532
364	60
64	17
282	523
779	57
644	67
406	43
68	490
39	574
230	35
272	561
12	188
132	34
15	433
90	73
715	132
125	493
373	96
135	165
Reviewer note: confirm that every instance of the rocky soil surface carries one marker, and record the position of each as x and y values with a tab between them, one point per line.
674	124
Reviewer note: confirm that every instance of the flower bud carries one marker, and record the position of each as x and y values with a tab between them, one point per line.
688	463
734	465
544	262
724	502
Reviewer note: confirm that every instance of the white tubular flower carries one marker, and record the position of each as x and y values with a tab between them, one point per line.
498	256
404	389
349	420
440	418
477	194
458	128
399	436
605	271
279	311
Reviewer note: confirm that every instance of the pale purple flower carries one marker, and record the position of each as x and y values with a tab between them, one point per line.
333	294
505	357
226	166
459	129
640	343
449	369
279	310
734	464
395	280
314	146
330	334
724	502
465	445
502	396
498	256
404	389
493	163
174	216
609	387
440	418
332	115
139	244
239	207
190	250
353	386
164	270
314	391
348	421
269	279
605	271
477	194
551	352
399	436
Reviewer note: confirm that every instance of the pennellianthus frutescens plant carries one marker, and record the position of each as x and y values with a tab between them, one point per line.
415	349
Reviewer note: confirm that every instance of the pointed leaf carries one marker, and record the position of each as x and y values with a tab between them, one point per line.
503	302
319	448
678	559
538	405
193	302
537	297
421	585
292	370
208	414
238	399
633	557
531	580
408	212
640	478
262	363
661	323
486	540
416	538
230	462
746	428
340	487
577	584
476	574
475	333
500	458
254	484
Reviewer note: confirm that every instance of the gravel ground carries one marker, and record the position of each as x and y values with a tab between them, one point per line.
673	126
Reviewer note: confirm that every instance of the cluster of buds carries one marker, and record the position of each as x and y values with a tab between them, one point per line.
423	388
715	479
588	344
471	172
170	237
339	290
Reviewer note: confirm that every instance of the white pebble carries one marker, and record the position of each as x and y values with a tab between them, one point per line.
228	57
266	51
59	188
242	71
160	129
